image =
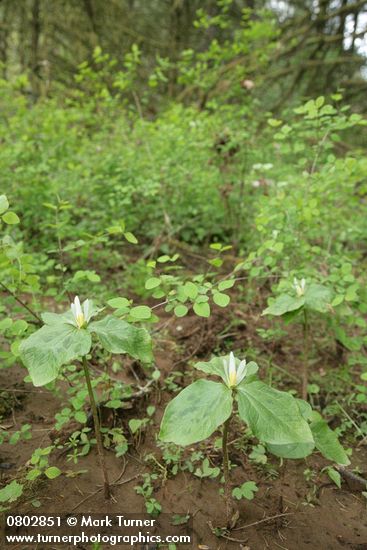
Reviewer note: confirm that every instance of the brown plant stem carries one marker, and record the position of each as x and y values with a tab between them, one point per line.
23	304
305	355
227	487
97	429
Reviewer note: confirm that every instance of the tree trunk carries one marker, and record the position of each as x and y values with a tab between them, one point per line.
34	52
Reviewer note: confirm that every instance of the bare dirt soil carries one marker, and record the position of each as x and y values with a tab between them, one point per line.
288	512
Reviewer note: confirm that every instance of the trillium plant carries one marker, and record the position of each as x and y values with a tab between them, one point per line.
68	337
286	426
304	299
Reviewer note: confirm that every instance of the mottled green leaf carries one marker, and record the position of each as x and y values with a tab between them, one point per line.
196	412
275	419
50	318
318	298
118	336
284	304
52	346
216	366
327	441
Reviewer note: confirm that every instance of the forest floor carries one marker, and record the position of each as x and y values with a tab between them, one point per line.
290	511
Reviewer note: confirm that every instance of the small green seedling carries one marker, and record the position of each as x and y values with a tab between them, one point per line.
246	490
10	493
305	299
206	470
286	426
67	337
39	465
146	490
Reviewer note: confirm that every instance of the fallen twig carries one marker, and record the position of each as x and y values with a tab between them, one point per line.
101	487
223	536
263	521
86	498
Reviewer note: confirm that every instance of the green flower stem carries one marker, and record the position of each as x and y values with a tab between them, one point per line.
97	429
305	355
227	487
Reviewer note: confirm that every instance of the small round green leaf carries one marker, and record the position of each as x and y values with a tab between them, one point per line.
114	404
247	490
11	218
190	290
163	259
93	277
221	299
117	303
80	416
225	285
153	282
202	309
180	310
52	472
33	474
141	312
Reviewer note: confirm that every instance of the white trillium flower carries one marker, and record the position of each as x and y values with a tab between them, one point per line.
81	314
300	286
234	375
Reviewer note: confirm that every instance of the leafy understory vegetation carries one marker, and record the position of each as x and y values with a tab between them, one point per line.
188	287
